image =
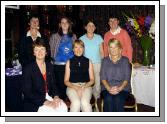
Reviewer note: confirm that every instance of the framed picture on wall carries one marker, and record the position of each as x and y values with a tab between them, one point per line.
12	6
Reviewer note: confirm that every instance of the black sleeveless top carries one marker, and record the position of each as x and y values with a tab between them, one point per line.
79	69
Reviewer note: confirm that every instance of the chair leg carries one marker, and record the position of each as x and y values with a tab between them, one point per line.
136	107
102	105
96	106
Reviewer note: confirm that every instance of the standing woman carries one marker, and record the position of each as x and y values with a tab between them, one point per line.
25	44
119	33
115	76
39	89
61	51
79	78
93	51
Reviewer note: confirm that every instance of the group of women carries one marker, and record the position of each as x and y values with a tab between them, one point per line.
80	68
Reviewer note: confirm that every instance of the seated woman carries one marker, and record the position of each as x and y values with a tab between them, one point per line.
79	79
115	76
40	93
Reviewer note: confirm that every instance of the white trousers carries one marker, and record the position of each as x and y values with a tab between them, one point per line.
78	103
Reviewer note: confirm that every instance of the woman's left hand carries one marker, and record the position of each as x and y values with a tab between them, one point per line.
80	91
56	102
114	90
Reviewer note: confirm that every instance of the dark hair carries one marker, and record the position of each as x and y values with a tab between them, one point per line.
114	15
39	42
60	32
89	20
33	16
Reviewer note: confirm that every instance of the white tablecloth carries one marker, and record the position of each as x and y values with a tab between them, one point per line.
143	84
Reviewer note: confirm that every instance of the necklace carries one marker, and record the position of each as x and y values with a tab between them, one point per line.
78	60
79	64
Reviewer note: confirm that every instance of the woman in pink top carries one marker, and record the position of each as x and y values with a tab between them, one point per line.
117	32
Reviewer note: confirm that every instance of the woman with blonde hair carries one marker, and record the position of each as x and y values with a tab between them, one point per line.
79	79
115	76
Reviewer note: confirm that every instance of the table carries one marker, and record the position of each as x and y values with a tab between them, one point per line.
13	89
143	85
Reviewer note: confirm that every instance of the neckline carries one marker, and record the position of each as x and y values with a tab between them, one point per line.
65	35
117	31
78	57
88	37
44	66
116	61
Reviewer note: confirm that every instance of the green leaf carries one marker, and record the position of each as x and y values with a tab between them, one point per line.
146	42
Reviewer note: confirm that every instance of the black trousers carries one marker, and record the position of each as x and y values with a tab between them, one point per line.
114	103
59	71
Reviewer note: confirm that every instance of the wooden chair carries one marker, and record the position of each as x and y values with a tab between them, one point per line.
130	102
93	102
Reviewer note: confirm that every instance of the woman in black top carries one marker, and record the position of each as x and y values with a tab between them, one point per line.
79	78
25	45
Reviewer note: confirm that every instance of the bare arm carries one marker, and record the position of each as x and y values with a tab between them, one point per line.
91	76
116	89
67	77
106	84
123	85
101	50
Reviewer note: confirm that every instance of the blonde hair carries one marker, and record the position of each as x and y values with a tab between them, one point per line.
78	42
115	42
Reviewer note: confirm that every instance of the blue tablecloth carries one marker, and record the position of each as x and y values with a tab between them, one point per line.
13	90
13	71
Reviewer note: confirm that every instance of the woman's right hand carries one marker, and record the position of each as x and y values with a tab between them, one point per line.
51	104
79	90
114	90
47	102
